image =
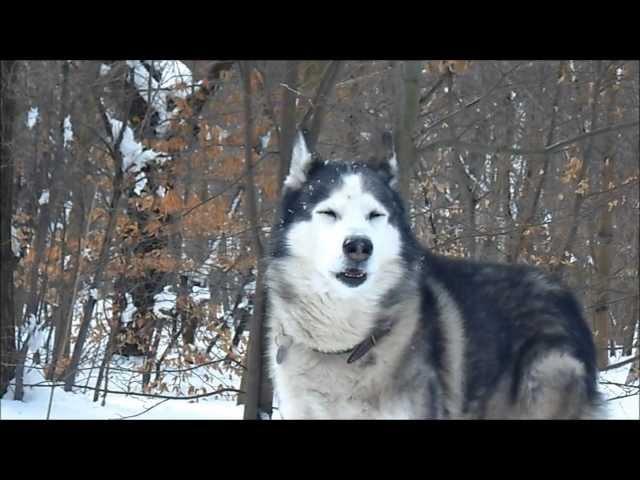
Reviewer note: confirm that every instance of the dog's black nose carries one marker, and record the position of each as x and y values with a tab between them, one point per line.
357	248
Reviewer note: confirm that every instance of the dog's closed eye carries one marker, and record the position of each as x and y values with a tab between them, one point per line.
328	213
374	214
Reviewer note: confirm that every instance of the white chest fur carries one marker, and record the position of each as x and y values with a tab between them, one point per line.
310	384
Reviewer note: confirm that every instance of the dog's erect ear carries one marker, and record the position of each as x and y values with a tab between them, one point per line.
389	162
301	161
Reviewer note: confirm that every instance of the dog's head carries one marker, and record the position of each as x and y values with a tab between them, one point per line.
342	223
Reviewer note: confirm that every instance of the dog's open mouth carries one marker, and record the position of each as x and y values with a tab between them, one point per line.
352	277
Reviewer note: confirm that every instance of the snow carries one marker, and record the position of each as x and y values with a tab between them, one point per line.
32	117
164	301
129	311
36	340
176	81
133	153
32	333
264	140
44	198
79	405
141	182
627	408
200	294
104	70
68	130
234	204
613	384
15	243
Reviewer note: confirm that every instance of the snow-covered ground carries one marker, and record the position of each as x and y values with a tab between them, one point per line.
78	405
612	386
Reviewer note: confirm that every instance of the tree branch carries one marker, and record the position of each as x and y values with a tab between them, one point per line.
620	364
136	394
479	148
312	120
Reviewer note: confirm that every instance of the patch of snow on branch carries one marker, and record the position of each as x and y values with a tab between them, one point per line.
176	81
68	130
133	153
35	335
32	117
200	294
264	140
127	315
164	302
44	198
15	243
141	182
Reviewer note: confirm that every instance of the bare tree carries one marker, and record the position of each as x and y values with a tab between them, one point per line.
8	78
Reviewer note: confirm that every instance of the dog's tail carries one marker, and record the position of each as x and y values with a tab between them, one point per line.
551	378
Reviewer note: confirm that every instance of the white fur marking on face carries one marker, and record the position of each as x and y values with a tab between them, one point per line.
339	316
320	239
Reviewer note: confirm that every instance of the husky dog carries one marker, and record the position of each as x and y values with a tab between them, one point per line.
364	322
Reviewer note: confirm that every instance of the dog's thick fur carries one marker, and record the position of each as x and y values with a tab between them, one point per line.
448	338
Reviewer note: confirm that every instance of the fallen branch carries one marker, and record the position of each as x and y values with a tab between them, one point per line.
620	364
150	395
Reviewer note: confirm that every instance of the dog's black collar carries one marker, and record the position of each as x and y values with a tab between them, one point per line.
363	347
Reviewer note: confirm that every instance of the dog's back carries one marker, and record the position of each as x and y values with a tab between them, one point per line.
528	351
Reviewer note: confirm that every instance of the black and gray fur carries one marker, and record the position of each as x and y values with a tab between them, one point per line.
461	339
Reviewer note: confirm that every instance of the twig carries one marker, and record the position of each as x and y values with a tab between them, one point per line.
558	146
295	91
144	411
151	395
50	402
621	396
622	385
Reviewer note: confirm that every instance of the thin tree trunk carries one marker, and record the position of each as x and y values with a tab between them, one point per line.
520	243
603	241
406	116
258	394
8	77
314	118
287	119
79	224
68	297
87	312
631	325
106	359
48	208
70	373
604	238
466	186
582	173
